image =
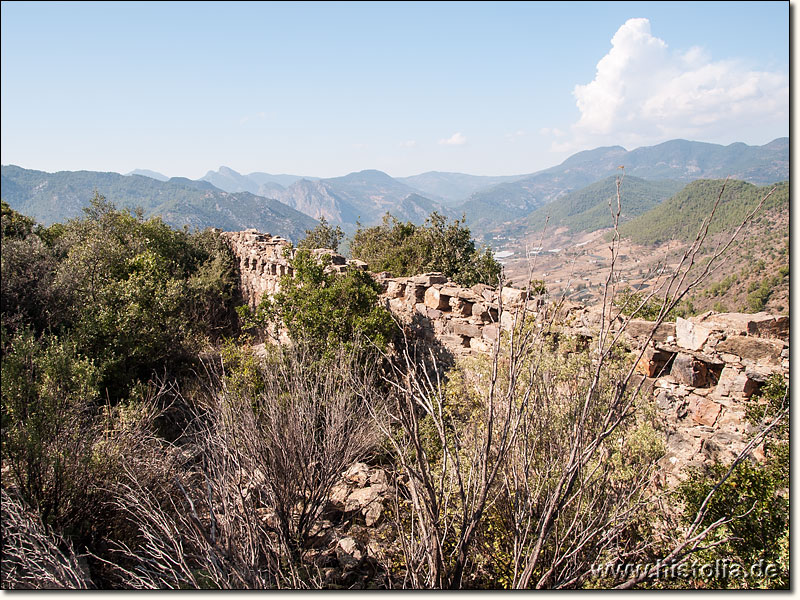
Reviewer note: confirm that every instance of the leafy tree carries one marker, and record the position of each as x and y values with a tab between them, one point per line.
14	224
326	310
406	249
134	295
322	236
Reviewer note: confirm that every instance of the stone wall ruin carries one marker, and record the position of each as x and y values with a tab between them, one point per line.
701	370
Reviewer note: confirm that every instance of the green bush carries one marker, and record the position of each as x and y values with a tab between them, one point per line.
406	249
48	391
326	310
632	304
322	236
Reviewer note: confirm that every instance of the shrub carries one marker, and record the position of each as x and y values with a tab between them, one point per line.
326	310
322	236
48	390
406	249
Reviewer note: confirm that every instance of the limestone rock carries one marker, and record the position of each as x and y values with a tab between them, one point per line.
511	296
338	496
507	320
372	513
480	345
462	328
733	382
450	291
415	293
455	341
639	329
653	361
490	332
349	552
689	335
460	307
486	292
363	497
704	410
395	289
688	370
357	474
754	349
428	279
759	325
379	476
436	300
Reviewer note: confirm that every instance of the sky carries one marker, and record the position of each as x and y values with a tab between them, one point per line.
324	89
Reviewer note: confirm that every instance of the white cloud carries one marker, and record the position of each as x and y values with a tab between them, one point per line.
643	93
513	136
454	140
408	144
551	131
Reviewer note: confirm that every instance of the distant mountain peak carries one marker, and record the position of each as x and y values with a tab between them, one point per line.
148	173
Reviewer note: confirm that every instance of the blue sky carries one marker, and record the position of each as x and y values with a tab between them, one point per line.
326	89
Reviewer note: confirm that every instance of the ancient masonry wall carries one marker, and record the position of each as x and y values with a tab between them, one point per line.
701	369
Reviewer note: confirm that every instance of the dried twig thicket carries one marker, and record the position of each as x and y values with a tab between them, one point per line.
264	465
539	440
33	557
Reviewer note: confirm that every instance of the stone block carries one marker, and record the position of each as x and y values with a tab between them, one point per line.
688	370
357	474
349	552
733	382
480	345
428	279
704	410
466	329
689	335
460	307
490	332
415	293
359	265
454	340
639	328
395	289
482	290
653	361
434	299
451	291
479	310
758	350
397	305
468	295
512	296
507	320
759	325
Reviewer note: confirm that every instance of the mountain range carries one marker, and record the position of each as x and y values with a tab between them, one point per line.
679	160
288	204
54	197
